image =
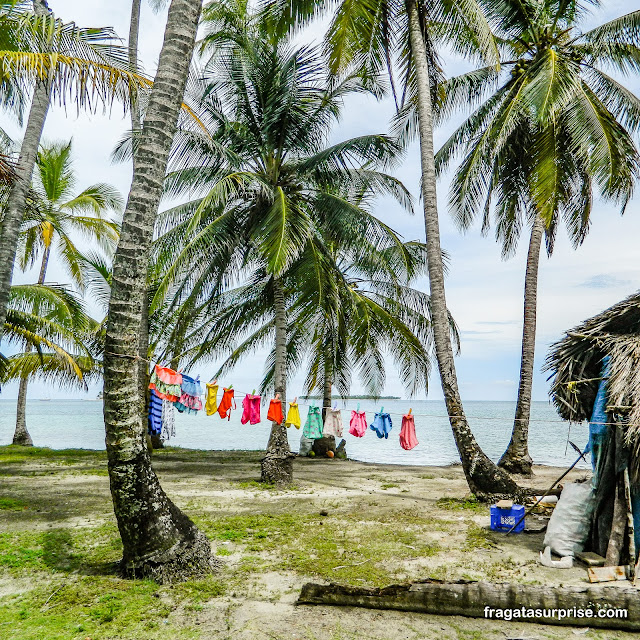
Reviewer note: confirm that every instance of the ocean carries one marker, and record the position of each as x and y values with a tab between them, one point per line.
62	424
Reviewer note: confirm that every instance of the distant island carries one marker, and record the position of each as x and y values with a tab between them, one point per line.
353	397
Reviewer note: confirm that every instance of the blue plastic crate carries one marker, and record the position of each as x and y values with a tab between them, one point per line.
504	519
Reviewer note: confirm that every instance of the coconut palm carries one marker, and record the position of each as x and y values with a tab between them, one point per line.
364	310
51	326
61	218
159	541
387	34
550	130
270	182
56	61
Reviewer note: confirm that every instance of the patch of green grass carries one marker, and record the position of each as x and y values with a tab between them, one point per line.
60	550
221	551
389	485
99	607
470	503
255	484
479	538
11	504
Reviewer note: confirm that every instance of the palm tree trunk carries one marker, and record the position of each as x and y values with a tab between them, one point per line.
134	33
327	382
516	458
277	464
21	435
483	476
14	208
159	541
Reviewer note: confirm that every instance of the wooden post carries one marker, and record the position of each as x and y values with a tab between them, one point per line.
618	525
630	526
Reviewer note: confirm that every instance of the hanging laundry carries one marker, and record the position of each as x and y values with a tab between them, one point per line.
227	403
211	403
168	420
293	415
313	426
332	423
190	401
408	439
250	409
275	410
358	424
155	414
382	425
166	382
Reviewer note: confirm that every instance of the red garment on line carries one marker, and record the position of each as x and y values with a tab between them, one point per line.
224	408
408	438
275	411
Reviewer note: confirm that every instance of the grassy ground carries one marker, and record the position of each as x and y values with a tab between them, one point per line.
344	522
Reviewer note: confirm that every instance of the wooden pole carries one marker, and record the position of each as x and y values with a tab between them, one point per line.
630	526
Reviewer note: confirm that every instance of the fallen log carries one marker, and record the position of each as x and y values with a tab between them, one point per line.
526	603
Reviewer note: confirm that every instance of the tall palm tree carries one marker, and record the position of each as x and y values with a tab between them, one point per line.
50	325
271	182
371	311
62	218
383	35
159	541
549	130
61	61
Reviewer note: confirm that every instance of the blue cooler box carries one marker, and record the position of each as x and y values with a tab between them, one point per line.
504	519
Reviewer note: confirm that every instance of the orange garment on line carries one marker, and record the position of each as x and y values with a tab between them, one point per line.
275	411
225	406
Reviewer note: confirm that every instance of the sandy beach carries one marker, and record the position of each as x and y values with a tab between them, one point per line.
348	522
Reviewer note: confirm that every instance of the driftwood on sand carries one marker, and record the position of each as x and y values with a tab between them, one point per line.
475	599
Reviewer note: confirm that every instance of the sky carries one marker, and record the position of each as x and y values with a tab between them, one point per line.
484	292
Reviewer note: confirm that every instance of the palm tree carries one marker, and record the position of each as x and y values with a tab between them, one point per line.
366	309
60	61
61	218
50	324
270	182
555	100
136	125
374	36
159	541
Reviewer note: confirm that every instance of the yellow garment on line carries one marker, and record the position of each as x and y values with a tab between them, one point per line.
293	415
211	404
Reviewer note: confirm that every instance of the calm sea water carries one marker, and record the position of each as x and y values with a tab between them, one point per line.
62	424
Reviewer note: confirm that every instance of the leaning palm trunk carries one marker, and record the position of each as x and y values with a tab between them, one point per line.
516	458
159	541
483	476
21	435
14	209
277	464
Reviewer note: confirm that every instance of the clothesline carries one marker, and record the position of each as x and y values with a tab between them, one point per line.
417	415
400	413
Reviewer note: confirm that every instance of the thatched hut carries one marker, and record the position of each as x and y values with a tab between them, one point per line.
595	372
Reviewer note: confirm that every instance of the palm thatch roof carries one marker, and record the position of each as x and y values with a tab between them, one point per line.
575	363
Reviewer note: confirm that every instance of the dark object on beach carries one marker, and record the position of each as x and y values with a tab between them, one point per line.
474	599
322	445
